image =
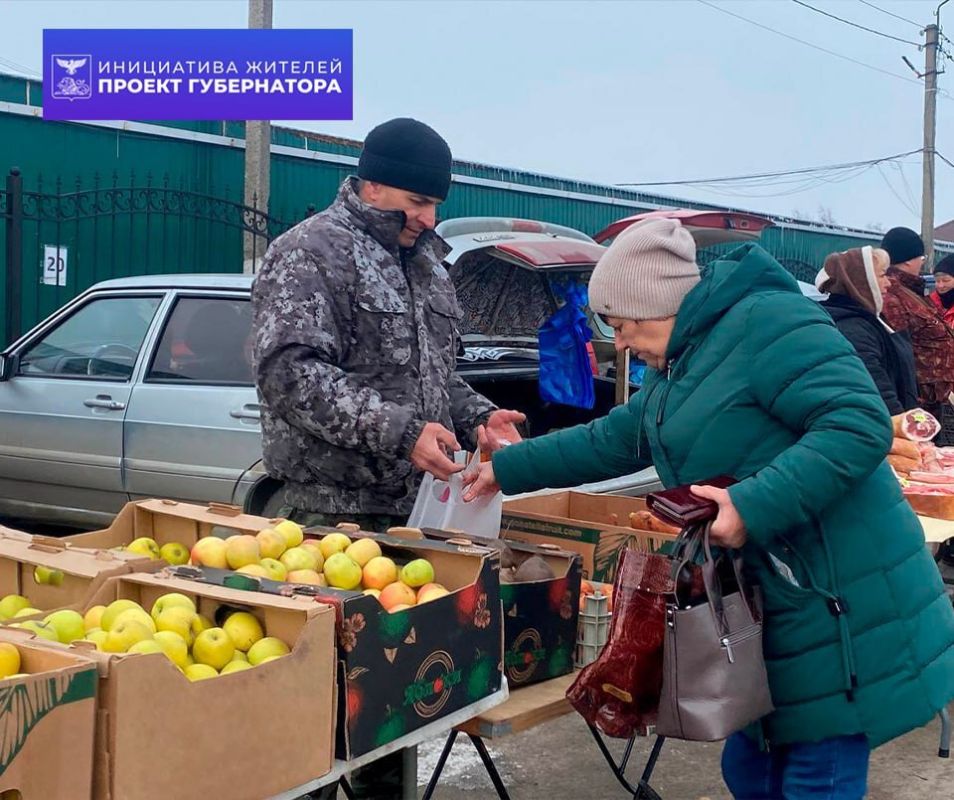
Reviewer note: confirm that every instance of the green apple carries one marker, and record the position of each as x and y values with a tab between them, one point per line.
239	656
138	614
171	600
47	576
97	636
41	629
274	569
199	672
69	625
235	666
146	646
12	603
124	634
333	543
113	610
265	648
144	546
27	612
213	647
296	558
417	573
243	629
342	571
175	553
174	646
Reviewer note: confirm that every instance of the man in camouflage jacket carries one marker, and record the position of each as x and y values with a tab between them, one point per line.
355	324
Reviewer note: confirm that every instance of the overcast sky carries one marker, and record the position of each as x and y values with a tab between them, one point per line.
618	92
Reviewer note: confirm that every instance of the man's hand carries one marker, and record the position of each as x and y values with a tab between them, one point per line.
500	428
430	451
480	482
728	530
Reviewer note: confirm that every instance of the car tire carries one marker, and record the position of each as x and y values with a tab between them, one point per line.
265	498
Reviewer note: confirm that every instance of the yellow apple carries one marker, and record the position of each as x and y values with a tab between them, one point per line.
199	672
48	576
41	629
144	546
175	553
275	569
271	543
172	600
239	656
243	629
113	610
291	531
12	603
235	666
9	660
430	591
209	552
417	572
68	625
138	614
200	623
333	543
213	647
124	634
93	617
242	550
295	558
174	646
342	572
305	576
379	572
314	547
97	636
362	551
178	620
272	658
257	570
146	646
265	648
27	612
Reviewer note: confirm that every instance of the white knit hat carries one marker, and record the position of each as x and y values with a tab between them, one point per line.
646	272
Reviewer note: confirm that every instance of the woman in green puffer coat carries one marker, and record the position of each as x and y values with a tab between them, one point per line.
748	378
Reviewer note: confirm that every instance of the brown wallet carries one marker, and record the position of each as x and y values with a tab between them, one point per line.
680	507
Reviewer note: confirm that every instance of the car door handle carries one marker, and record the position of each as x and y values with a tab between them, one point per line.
104	401
248	411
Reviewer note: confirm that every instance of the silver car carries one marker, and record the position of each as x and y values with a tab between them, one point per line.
139	387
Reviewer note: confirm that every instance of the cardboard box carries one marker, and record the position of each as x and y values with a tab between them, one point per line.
539	617
171	521
48	719
250	734
594	525
53	574
401	671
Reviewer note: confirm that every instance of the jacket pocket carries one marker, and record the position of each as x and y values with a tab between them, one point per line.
381	330
443	318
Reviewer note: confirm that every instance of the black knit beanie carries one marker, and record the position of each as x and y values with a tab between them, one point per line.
407	154
945	265
902	245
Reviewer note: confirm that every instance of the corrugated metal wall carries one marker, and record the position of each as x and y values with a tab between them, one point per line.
78	154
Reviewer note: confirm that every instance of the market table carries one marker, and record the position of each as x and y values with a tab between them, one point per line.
531	706
408	742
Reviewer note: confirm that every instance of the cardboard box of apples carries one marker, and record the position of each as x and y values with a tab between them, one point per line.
205	691
540	596
419	623
48	716
39	575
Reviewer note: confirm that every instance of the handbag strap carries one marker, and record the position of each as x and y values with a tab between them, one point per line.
713	584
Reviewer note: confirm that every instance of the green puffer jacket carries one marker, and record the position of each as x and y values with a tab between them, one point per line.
761	386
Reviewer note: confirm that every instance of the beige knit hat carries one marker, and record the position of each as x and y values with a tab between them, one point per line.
646	272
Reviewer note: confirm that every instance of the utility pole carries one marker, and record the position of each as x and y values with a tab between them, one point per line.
258	138
930	125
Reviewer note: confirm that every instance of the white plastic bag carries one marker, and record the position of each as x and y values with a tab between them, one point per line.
440	504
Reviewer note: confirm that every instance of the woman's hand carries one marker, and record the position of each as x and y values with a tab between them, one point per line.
728	530
480	482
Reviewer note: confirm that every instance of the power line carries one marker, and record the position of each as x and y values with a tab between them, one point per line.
809	44
850	165
946	161
19	67
854	24
890	14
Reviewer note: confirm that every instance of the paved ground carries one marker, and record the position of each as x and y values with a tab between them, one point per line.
559	761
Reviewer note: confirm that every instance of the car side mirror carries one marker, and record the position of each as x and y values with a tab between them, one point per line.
9	364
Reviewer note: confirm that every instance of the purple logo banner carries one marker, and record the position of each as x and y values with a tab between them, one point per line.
228	74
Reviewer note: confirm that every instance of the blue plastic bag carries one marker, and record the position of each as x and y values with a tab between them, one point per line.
565	373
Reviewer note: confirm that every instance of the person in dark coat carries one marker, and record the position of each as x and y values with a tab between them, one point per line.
943	294
855	281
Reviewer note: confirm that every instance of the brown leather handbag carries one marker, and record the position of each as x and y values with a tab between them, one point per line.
714	678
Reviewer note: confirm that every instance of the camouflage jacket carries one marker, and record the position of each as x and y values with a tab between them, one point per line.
355	343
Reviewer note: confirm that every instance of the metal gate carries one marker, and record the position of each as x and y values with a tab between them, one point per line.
58	240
